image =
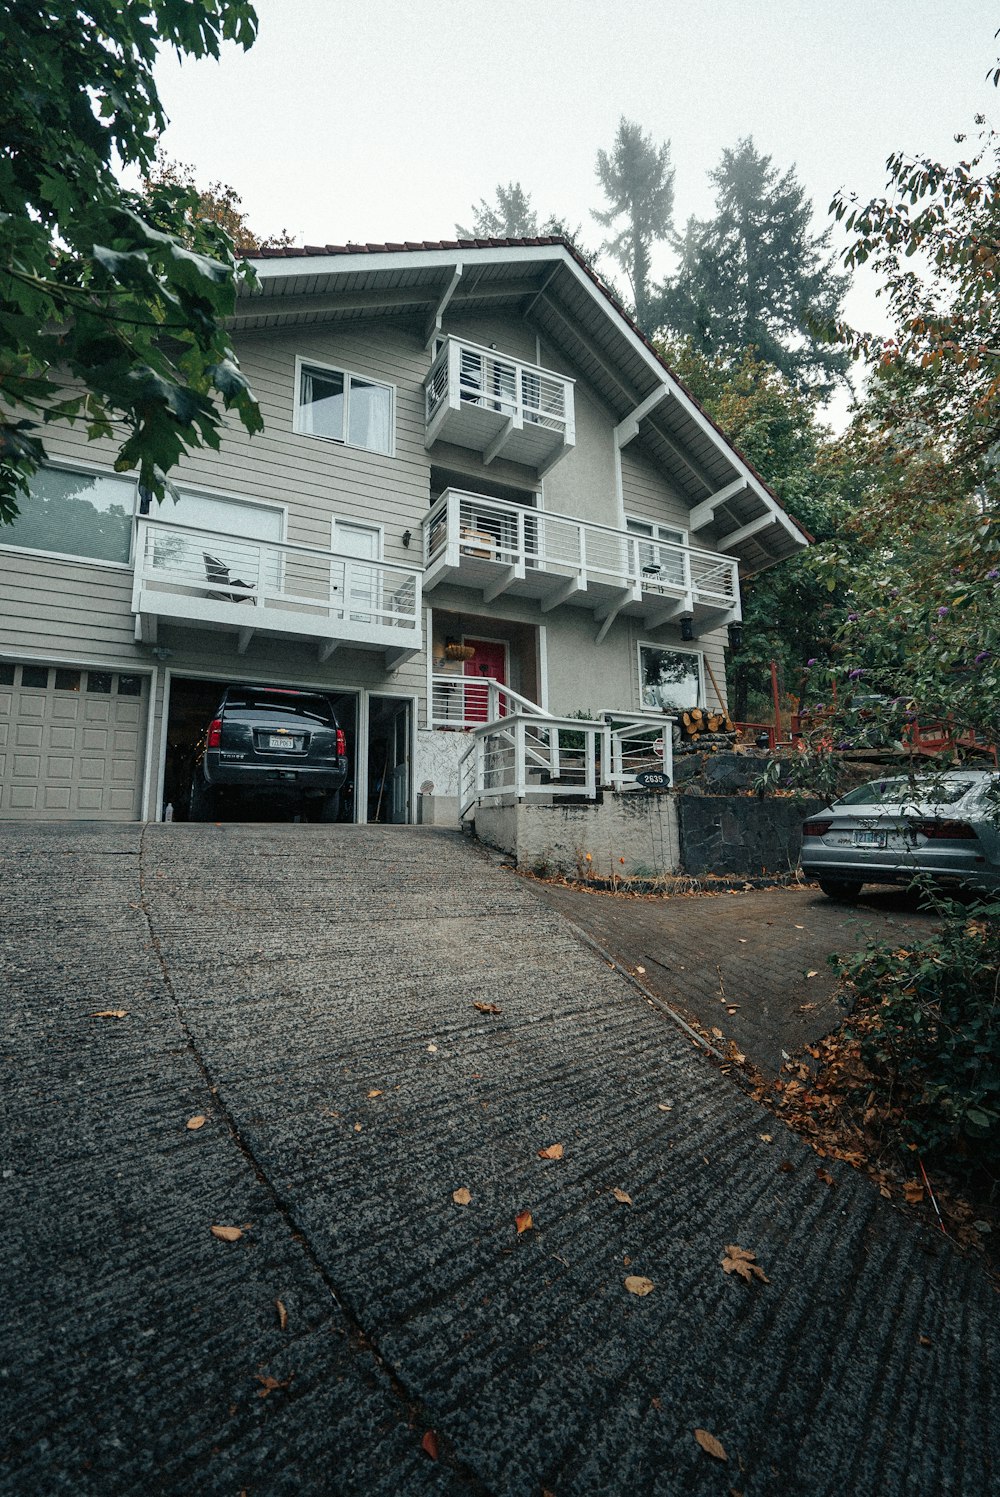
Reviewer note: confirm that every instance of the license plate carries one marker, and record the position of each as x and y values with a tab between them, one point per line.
869	839
276	741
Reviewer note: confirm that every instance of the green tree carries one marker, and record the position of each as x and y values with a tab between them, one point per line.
510	217
755	276
113	303
638	183
787	615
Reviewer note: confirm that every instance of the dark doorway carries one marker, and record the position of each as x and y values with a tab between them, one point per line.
388	759
190	710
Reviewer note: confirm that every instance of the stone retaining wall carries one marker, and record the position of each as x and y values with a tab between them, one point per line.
740	833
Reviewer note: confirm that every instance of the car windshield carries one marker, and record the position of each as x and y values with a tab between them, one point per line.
895	792
296	704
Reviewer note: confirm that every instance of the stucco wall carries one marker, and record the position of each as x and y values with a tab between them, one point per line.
630	835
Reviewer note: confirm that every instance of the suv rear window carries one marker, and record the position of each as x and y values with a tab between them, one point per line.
885	792
276	703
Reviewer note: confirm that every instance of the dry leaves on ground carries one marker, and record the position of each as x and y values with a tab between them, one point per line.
665	1106
554	1151
622	1195
110	1013
374	1092
812	973
739	1261
487	1008
461	1196
198	1121
913	1192
523	1221
279	1305
227	1234
711	1445
637	1283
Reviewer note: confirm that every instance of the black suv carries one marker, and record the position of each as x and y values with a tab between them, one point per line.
269	741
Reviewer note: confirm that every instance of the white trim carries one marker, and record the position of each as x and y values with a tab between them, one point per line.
349	374
429	652
374	527
200	491
542	666
685	535
95	470
650	644
413	698
147	758
84	561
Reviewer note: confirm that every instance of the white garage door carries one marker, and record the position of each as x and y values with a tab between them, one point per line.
71	743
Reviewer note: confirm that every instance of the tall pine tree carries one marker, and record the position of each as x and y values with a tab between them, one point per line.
511	217
754	276
638	182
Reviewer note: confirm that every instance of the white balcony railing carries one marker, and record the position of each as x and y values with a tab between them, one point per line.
460	701
480	398
520	757
208	579
477	541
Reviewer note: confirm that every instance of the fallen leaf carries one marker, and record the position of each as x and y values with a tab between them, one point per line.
657	1404
375	1093
227	1234
622	1195
461	1196
913	1192
813	973
110	1013
717	1032
637	1284
432	1049
641	971
806	1008
710	1444
554	1151
765	1138
731	1009
740	1261
430	1444
743	940
665	1106
279	1305
487	1008
739	1057
198	1121
800	927
786	1166
523	1221
926	1341
357	1127
825	1176
269	1384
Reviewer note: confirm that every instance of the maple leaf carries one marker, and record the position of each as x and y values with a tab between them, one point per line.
523	1221
270	1384
913	1192
554	1151
739	1261
487	1008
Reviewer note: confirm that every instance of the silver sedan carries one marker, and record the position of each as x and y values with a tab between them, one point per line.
945	826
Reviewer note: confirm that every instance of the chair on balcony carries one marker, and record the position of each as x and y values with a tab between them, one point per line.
219	576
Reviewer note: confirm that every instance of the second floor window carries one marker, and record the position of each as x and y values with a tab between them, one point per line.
344	407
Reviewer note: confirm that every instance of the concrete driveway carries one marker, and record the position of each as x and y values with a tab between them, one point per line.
753	964
310	992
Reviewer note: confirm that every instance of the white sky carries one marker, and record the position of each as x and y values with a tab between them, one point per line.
387	119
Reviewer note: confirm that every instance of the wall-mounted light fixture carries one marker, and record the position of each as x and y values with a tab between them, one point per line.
407	538
160	652
687	628
735	636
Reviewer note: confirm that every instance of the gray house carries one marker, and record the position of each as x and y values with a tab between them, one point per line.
479	491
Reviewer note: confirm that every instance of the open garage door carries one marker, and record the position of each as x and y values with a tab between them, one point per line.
71	743
191	706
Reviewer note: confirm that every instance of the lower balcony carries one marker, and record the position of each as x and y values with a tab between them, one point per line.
494	547
209	580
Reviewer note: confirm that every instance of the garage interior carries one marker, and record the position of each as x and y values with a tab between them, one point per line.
192	706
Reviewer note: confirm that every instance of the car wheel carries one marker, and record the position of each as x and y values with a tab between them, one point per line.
330	808
201	806
846	890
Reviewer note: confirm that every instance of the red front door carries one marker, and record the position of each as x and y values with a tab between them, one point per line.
490	659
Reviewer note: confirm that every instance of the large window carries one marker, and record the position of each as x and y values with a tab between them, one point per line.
228	545
343	407
659	559
670	679
75	514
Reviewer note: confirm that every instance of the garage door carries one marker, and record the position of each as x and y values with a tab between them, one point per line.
71	743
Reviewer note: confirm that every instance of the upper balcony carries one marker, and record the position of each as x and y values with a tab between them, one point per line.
498	405
206	579
495	547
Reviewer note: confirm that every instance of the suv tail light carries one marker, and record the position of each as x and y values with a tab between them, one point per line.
945	831
214	733
816	828
341	743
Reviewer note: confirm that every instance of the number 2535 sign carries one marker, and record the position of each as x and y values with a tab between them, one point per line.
653	779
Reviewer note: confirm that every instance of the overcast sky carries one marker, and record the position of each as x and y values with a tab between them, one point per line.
370	120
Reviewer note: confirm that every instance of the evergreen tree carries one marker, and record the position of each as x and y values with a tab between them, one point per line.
511	217
754	276
638	182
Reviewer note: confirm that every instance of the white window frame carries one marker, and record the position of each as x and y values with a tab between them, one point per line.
650	644
652	533
94	470
299	419
157	511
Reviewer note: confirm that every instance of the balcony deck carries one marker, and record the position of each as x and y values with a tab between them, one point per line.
494	404
493	547
208	580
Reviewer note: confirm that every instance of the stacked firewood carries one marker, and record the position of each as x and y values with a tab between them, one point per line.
698	723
